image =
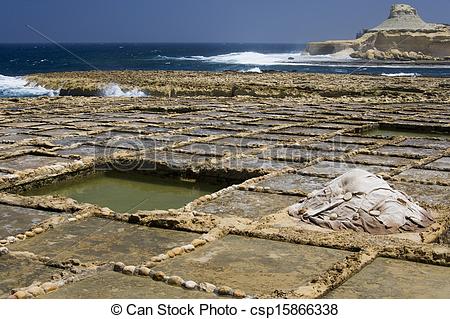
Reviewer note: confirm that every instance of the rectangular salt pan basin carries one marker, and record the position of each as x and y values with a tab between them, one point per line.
129	192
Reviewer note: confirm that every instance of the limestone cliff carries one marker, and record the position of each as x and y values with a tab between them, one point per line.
403	36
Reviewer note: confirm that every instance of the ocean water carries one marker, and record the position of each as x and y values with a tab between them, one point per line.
17	60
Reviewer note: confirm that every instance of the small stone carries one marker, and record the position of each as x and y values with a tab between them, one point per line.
75	262
175	281
38	230
348	196
36	291
333	216
85	215
171	254
78	217
267	188
198	242
239	294
144	271
188	248
375	213
150	264
159	276
119	267
206	286
11	239
190	284
29	234
4	251
72	219
128	270
49	287
22	295
208	237
160	258
134	219
3	242
21	236
224	291
356	216
178	251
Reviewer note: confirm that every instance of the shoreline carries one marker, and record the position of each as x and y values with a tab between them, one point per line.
304	87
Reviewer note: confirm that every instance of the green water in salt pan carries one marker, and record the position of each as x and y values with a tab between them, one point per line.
406	133
128	192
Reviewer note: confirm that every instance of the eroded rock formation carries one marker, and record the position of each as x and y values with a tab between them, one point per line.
361	201
403	36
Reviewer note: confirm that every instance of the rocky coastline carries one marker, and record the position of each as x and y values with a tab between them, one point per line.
304	87
404	36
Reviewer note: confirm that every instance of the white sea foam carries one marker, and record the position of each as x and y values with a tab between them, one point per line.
252	70
255	58
19	87
340	59
401	74
114	90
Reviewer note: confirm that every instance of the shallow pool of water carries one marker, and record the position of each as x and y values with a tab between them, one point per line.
129	191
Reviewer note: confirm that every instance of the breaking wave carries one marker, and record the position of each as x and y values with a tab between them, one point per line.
400	74
114	90
19	87
252	70
255	58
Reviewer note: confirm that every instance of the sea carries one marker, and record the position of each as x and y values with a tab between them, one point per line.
17	60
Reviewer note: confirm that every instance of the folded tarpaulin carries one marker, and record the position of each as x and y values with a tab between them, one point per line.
360	200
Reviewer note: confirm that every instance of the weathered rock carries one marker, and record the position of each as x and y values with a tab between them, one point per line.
206	286
21	236
11	239
178	251
36	291
190	284
75	262
129	270
119	267
29	234
158	276
224	291
239	294
198	242
144	271
175	281
134	219
403	33
4	251
160	258
49	286
38	230
150	264
188	248
23	295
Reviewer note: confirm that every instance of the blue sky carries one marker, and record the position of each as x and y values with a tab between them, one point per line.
262	21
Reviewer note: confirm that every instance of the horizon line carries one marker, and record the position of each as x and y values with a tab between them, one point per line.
174	42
